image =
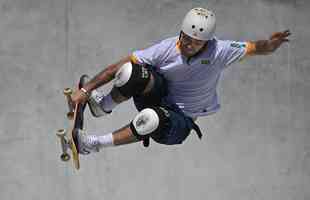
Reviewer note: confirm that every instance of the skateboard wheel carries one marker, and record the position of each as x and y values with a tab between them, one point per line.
70	115
65	157
61	132
68	91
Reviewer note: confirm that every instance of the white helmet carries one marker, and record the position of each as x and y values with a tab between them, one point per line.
199	23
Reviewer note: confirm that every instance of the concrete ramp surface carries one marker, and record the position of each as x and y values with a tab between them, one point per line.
257	147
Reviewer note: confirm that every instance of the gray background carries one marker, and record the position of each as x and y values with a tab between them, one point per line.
257	147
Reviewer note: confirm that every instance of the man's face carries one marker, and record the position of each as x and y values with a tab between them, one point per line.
190	46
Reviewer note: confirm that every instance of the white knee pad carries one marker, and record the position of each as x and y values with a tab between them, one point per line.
146	121
123	75
150	122
131	79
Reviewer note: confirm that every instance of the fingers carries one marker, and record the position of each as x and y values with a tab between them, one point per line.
286	33
278	38
284	36
79	97
281	41
281	35
76	96
285	40
275	35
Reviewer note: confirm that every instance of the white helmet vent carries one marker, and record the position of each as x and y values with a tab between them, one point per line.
199	23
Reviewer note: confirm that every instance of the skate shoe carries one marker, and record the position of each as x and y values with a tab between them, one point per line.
86	143
94	101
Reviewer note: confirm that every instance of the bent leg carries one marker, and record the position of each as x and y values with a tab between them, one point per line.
124	136
118	97
148	122
130	80
88	143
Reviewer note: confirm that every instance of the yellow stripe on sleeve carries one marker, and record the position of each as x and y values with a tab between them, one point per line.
178	44
250	48
134	59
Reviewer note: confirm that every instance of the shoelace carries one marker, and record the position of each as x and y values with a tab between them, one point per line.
92	143
91	140
97	96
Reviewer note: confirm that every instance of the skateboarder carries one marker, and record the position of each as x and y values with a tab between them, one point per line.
172	83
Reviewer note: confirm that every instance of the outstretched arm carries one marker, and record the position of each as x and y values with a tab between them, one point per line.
105	75
264	47
100	79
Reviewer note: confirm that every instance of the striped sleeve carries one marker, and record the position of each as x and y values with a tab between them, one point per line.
232	51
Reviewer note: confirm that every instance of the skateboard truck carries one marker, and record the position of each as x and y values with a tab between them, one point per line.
68	139
67	93
61	133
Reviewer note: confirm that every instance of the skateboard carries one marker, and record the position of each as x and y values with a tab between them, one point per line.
75	115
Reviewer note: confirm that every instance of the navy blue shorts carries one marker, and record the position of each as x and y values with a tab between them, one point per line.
179	126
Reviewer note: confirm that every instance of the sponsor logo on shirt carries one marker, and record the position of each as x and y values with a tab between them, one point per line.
237	45
145	73
166	113
205	62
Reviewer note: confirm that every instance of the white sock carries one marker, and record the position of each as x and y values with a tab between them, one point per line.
106	140
108	103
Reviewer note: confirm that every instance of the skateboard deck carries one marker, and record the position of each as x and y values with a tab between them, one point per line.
75	115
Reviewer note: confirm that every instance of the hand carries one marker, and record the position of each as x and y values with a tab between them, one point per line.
79	96
277	39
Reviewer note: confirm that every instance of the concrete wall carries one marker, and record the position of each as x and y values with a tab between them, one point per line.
257	147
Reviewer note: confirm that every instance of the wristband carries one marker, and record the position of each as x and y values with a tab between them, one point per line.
85	92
